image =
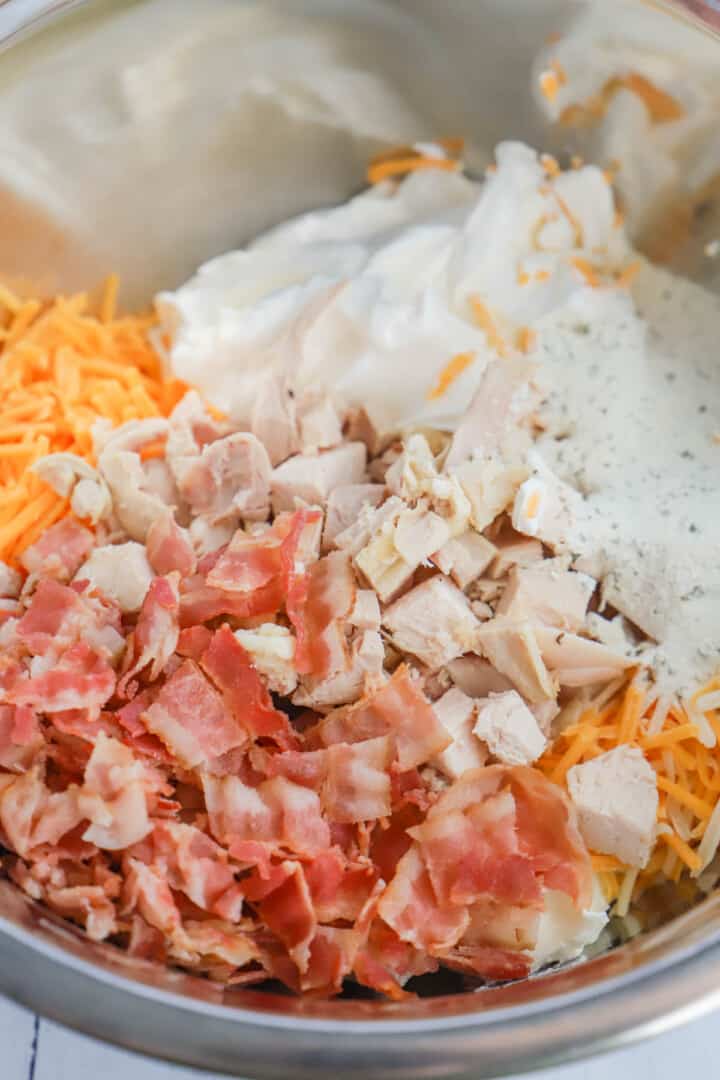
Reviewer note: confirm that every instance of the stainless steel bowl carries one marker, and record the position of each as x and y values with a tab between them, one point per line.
143	137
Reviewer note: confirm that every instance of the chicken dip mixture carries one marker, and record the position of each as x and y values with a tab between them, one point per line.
359	607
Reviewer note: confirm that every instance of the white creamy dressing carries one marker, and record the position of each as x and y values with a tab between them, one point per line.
371	299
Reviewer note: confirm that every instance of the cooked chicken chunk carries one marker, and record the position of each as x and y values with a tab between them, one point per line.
119	571
344	506
509	729
616	799
549	592
456	713
272	649
511	647
465	557
311	477
433	622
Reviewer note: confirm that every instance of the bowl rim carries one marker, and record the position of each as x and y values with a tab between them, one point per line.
660	980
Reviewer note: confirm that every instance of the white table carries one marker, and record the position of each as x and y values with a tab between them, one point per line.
34	1049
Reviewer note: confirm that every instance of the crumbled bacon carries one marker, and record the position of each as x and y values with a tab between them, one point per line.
159	784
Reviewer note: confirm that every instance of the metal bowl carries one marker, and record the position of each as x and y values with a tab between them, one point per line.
143	137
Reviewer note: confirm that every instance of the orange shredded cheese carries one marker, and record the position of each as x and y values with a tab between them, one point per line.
486	322
687	775
526	339
626	276
449	374
402	160
549	84
587	270
62	368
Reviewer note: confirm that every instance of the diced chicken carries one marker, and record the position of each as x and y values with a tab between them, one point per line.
413	472
545	712
418	533
318	422
365	614
311	477
511	647
615	633
465	557
456	713
549	592
433	622
360	427
135	508
493	421
367	656
383	566
476	677
207	537
577	661
490	485
616	797
133	434
451	503
72	477
230	476
119	571
10	581
272	650
509	729
370	520
273	420
344	506
514	550
546	507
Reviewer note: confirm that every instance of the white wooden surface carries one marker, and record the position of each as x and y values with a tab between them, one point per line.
35	1049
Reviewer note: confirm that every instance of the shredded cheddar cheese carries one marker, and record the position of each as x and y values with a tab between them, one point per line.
452	370
687	773
398	162
62	368
484	319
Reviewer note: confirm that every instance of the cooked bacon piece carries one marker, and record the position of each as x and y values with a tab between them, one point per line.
385	962
155	637
544	831
20	737
215	940
59	551
201	603
30	814
365	668
409	905
87	904
320	621
278	812
191	718
288	912
340	888
400	709
193	642
80	680
195	865
147	892
357	785
113	797
231	669
58	617
169	547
